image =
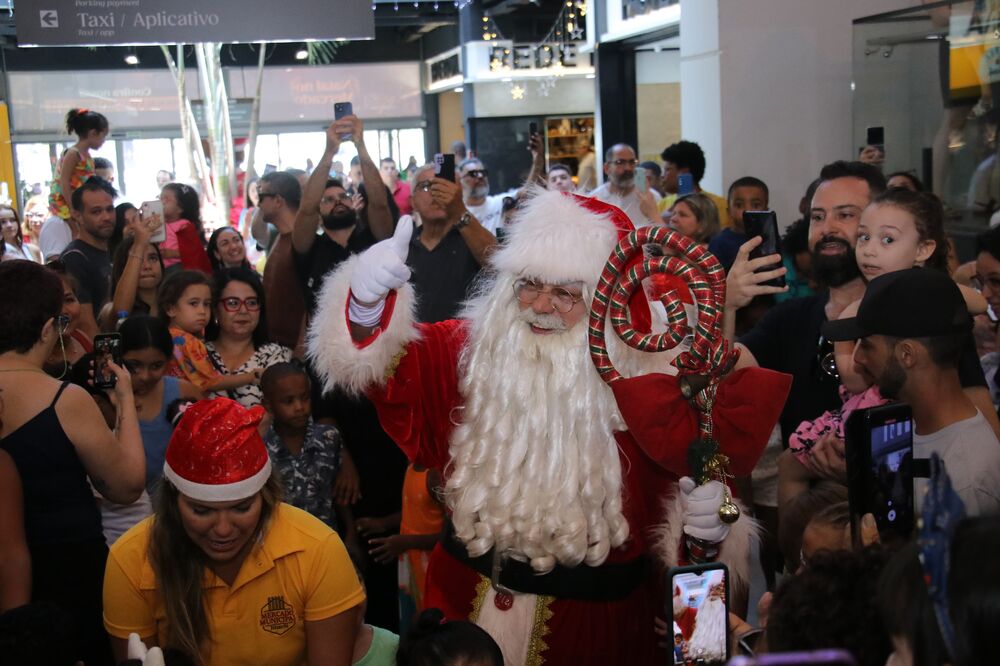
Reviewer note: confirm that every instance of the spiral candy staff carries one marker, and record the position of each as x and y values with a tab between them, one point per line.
710	355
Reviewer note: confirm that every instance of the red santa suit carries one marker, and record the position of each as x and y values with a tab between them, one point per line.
578	615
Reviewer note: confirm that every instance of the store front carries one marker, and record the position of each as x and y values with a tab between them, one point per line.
142	109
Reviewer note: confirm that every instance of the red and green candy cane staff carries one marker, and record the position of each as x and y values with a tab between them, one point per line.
710	356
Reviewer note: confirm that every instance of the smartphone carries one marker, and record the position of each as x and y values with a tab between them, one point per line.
764	223
445	166
532	129
149	208
685	184
832	657
269	168
875	136
698	596
341	109
641	183
107	347
880	468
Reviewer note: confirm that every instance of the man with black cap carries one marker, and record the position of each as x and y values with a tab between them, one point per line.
911	327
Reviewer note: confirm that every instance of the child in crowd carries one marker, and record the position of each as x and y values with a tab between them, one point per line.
373	646
184	246
434	641
305	454
900	229
76	164
746	193
185	302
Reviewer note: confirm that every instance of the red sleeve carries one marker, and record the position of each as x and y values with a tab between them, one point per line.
193	254
747	406
416	404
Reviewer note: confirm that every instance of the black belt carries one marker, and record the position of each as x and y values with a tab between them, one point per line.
608	582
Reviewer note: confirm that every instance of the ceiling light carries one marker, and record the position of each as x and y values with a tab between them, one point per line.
459	89
131	59
301	54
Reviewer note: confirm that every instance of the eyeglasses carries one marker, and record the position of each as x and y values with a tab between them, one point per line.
424	185
233	304
475	173
332	200
826	359
527	292
619	163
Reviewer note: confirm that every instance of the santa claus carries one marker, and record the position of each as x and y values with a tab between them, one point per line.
553	504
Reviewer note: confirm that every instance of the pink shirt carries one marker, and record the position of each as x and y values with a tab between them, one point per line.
402	197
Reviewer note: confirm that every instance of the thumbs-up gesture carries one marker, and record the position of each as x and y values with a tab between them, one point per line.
382	267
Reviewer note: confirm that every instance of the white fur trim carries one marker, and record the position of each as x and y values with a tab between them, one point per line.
223	492
334	354
511	629
555	239
735	551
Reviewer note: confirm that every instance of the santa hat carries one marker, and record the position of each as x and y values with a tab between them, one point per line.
559	238
216	453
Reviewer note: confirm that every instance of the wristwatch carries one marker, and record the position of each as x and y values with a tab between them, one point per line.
463	221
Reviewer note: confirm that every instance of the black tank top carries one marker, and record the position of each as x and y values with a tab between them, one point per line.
59	506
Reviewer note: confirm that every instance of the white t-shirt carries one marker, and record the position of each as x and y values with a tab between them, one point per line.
490	212
628	203
53	238
971	455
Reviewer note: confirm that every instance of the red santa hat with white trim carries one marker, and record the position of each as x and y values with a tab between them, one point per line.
560	238
216	453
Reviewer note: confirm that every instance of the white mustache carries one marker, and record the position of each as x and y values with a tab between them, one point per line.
549	321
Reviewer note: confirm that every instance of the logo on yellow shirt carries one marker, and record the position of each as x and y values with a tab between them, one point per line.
277	616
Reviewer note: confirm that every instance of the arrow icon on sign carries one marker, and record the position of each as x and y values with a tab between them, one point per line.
49	18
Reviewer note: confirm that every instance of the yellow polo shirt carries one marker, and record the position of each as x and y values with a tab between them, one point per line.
720	203
299	572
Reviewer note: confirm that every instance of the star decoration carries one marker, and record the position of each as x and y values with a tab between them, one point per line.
545	86
495	65
576	34
517	92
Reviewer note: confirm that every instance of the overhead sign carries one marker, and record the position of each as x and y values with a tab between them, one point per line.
110	22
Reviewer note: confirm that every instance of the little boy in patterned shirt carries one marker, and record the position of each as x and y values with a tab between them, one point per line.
305	454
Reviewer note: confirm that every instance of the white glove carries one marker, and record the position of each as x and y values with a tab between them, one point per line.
137	650
382	267
701	510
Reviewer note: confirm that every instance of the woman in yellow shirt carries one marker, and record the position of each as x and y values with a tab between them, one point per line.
276	585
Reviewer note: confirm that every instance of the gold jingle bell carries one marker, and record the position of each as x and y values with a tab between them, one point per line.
729	513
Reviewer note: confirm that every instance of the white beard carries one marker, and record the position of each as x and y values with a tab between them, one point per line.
708	641
535	468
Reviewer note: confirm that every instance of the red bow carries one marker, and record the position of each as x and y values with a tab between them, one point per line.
664	423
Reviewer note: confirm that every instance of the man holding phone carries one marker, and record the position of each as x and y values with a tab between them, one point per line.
686	158
911	329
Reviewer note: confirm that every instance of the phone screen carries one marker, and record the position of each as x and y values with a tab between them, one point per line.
641	183
532	128
685	184
892	474
764	223
107	347
700	609
876	136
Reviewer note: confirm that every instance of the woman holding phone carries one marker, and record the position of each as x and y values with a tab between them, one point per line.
135	274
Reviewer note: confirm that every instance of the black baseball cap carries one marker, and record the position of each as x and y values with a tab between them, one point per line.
914	303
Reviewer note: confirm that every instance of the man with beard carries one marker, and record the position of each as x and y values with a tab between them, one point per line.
326	201
448	250
911	327
788	338
475	181
378	462
87	258
553	501
620	190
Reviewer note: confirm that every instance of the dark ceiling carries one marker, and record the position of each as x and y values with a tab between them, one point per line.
402	32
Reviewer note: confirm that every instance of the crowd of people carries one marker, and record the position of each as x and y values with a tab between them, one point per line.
367	420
